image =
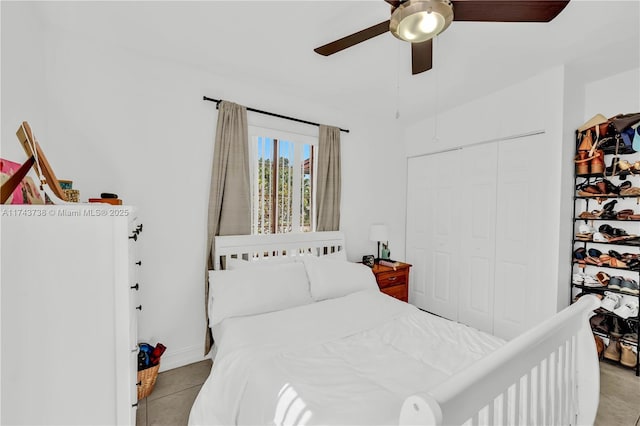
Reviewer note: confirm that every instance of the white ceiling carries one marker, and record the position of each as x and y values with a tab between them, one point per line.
273	41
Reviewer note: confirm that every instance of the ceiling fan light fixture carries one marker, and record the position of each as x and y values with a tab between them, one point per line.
420	26
416	21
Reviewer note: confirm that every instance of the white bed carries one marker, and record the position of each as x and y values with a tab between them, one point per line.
344	353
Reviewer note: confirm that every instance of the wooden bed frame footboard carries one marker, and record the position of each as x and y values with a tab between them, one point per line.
547	376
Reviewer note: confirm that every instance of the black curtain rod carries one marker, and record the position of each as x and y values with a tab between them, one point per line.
217	101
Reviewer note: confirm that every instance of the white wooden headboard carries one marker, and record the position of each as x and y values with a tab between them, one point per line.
276	245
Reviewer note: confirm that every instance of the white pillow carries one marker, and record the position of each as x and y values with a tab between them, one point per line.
329	279
336	255
233	263
253	291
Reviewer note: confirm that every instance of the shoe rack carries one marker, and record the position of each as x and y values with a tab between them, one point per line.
606	241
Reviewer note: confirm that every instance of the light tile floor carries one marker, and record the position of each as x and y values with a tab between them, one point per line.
175	391
619	396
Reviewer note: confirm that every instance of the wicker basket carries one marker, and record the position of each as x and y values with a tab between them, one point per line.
147	380
73	195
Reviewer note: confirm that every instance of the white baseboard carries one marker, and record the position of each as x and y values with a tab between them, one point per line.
182	357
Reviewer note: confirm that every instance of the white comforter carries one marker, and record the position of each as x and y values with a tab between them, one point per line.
351	360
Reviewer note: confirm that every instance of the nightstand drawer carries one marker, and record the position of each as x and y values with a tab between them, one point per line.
397	291
391	278
393	282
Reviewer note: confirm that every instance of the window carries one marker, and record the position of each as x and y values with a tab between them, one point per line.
283	181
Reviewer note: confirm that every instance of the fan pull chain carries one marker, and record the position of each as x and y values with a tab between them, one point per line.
398	83
436	98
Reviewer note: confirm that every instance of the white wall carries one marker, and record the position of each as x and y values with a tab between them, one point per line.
615	94
515	110
23	79
555	102
533	106
115	120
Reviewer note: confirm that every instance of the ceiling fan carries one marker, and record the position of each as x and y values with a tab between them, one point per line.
418	21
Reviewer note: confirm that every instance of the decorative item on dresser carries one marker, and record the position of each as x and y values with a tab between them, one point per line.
69	314
48	181
379	233
368	260
393	281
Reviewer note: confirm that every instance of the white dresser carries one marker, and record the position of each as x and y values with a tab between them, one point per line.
69	314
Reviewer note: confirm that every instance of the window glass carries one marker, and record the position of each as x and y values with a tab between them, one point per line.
283	181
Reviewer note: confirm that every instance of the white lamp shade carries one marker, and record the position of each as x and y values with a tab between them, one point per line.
378	232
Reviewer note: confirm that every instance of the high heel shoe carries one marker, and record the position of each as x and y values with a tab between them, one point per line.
624	185
618	167
615	254
625	166
613	169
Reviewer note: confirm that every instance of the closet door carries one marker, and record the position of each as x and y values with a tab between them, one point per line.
433	193
521	228
477	234
476	261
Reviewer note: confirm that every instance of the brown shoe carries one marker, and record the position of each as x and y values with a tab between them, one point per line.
597	162
628	357
599	345
631	337
613	350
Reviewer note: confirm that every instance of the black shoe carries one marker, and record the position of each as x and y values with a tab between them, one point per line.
616	331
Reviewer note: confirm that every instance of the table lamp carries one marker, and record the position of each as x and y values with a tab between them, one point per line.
378	232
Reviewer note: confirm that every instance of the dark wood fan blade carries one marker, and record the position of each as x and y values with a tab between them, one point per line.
394	3
353	39
507	10
421	56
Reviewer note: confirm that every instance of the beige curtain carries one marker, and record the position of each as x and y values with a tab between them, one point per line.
230	192
329	180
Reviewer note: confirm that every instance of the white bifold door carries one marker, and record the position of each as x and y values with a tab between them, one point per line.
471	220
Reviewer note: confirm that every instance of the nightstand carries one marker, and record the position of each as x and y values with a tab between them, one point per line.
394	282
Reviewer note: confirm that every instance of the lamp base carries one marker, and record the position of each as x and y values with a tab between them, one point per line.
385	253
